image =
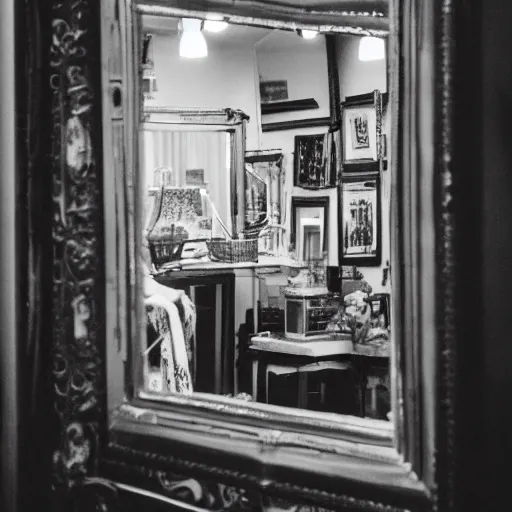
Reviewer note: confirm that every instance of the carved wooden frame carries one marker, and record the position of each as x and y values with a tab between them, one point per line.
137	449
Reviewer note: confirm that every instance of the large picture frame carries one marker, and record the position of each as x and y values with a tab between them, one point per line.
359	229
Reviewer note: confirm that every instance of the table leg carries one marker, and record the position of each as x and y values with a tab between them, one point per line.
302	390
362	378
255	380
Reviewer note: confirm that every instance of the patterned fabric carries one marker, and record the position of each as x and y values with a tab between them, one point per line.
188	316
182	379
181	216
164	317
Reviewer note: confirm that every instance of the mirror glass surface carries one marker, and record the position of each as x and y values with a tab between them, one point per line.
275	312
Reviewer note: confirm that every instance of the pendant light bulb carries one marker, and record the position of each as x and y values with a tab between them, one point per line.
192	42
215	26
371	48
308	34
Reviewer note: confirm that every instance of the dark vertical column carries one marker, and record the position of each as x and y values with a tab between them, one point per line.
9	358
77	332
492	66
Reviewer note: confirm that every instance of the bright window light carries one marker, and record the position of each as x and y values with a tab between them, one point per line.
372	48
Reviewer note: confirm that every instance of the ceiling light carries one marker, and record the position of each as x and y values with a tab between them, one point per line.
215	25
192	43
307	34
372	48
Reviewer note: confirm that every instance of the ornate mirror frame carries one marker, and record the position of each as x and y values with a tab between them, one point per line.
143	448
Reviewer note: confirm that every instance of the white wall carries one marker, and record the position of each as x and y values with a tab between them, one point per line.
303	64
228	73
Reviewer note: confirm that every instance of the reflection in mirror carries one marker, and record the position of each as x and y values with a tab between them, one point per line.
257	213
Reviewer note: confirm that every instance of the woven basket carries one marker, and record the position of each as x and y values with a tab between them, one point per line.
163	251
233	251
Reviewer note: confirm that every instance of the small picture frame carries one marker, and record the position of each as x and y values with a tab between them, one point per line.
273	90
316	160
361	118
360	222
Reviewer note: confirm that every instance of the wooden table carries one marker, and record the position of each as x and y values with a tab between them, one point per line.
279	353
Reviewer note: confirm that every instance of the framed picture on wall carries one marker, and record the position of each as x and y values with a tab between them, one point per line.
360	222
361	118
273	90
316	160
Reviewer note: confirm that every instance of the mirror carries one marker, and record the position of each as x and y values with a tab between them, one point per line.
310	227
191	162
249	291
264	179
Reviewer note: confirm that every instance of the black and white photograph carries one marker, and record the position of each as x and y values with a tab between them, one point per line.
255	256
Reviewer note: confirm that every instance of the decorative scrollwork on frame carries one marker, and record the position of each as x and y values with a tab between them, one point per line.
203	486
78	351
94	494
208	495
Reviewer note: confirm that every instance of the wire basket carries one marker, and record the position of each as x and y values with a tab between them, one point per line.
233	251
